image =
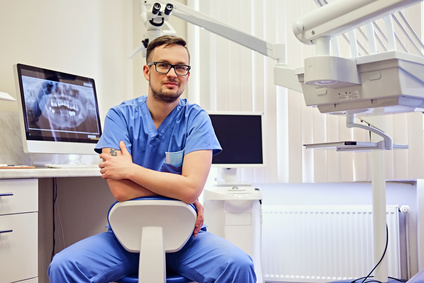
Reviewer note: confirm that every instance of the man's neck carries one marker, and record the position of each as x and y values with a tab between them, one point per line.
159	110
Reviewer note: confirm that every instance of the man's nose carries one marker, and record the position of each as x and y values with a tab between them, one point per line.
172	72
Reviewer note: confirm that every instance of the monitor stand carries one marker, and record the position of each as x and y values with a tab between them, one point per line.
228	177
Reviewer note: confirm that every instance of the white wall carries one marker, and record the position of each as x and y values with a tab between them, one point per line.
90	38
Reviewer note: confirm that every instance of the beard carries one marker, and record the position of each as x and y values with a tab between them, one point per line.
164	96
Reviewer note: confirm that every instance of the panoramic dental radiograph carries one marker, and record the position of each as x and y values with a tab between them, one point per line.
59	106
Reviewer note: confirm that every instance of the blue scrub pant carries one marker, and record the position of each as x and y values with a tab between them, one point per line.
101	258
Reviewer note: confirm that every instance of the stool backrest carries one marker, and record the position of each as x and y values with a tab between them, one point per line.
152	227
176	218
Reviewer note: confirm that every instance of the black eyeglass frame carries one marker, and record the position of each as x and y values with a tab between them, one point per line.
170	67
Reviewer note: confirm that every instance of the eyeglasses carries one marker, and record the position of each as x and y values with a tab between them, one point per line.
164	68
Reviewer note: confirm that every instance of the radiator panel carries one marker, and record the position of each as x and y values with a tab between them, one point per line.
323	243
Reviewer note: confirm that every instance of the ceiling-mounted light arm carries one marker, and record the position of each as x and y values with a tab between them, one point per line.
274	51
386	143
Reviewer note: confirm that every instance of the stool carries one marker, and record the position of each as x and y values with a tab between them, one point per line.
152	227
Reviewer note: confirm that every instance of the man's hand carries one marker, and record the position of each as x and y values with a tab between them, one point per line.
116	163
200	218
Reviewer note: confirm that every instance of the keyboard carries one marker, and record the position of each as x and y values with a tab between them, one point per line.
71	165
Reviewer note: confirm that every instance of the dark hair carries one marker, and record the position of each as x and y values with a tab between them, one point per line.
166	40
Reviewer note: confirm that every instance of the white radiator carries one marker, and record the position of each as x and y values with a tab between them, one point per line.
323	243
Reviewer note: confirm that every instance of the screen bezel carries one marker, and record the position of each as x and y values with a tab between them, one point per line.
74	143
241	164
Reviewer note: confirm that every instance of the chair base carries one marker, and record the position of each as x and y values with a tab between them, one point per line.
171	278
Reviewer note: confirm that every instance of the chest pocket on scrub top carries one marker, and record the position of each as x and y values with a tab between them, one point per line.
173	162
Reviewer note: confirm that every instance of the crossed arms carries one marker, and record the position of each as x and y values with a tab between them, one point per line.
128	180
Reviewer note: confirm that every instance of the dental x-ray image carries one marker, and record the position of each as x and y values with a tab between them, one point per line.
56	105
60	110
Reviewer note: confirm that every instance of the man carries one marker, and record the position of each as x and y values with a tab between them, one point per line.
157	145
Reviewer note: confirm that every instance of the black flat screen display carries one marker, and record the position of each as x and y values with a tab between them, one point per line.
240	136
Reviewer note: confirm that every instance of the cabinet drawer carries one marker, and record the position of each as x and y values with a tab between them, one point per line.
18	246
18	196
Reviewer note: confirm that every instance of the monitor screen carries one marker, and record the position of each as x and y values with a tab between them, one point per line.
59	111
240	136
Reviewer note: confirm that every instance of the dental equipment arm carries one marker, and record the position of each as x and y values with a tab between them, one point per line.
274	51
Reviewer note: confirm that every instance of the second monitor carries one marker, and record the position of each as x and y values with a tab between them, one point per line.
241	137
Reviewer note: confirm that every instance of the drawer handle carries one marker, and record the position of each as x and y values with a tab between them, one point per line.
6	231
6	195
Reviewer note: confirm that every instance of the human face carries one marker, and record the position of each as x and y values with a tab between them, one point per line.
167	87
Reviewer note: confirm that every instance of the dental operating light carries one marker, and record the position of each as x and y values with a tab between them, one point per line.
155	18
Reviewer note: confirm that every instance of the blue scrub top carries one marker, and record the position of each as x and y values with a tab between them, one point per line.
186	129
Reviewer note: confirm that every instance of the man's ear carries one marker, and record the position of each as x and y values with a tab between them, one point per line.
146	71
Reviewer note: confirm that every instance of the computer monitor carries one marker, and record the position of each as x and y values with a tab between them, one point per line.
240	136
59	112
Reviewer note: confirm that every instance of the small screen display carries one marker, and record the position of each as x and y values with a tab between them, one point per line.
240	137
58	106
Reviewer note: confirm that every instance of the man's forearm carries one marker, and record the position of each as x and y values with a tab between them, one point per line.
124	190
